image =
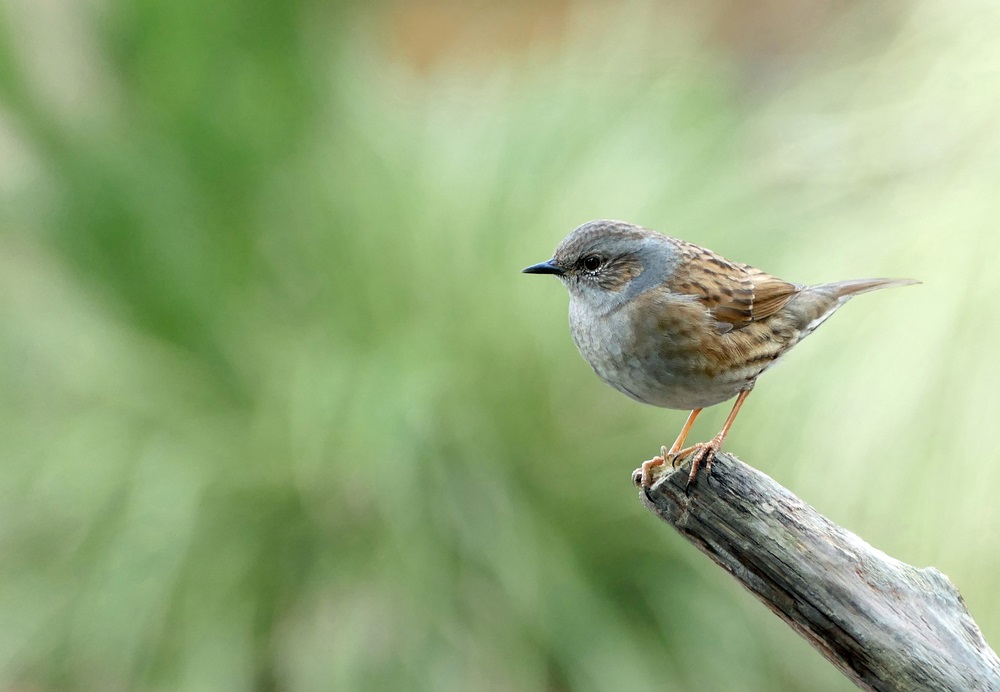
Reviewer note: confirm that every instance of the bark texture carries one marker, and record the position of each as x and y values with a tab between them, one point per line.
884	624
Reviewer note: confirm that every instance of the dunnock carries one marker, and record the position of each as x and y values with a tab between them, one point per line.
673	324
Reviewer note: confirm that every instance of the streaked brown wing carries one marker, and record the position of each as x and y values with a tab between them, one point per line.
734	294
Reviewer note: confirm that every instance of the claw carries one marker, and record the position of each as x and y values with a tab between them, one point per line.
637	478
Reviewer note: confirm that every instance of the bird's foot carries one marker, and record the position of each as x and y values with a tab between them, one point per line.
643	476
701	453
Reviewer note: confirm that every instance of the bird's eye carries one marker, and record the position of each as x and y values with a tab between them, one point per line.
592	263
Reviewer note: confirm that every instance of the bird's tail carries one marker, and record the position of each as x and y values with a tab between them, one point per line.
817	303
846	289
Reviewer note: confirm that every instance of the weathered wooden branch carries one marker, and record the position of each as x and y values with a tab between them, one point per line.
884	624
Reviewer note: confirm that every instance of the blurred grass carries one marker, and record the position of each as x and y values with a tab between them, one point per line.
280	413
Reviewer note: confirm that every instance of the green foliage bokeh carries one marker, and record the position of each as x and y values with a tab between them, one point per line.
278	410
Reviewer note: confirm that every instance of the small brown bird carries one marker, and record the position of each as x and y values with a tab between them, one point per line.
673	324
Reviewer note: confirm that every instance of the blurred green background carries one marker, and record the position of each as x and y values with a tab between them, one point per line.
279	412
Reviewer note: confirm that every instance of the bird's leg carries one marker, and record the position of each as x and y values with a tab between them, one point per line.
717	441
706	451
671	454
667	454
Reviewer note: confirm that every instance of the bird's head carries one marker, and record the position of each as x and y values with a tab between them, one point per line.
607	263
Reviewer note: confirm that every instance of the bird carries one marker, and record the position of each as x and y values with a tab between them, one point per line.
672	324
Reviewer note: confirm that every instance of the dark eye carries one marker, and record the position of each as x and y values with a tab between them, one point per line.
592	263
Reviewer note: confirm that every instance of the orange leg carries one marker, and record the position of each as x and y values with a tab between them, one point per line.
705	451
665	454
671	454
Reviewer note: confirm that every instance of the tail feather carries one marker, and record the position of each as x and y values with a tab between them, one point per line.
845	289
817	303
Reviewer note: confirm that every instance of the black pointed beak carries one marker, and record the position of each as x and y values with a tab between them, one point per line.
549	267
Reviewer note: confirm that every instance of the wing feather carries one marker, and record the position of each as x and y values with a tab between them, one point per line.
734	294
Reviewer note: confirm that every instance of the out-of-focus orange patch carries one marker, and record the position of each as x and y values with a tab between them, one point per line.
421	33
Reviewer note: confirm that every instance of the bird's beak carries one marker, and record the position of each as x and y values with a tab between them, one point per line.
549	267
